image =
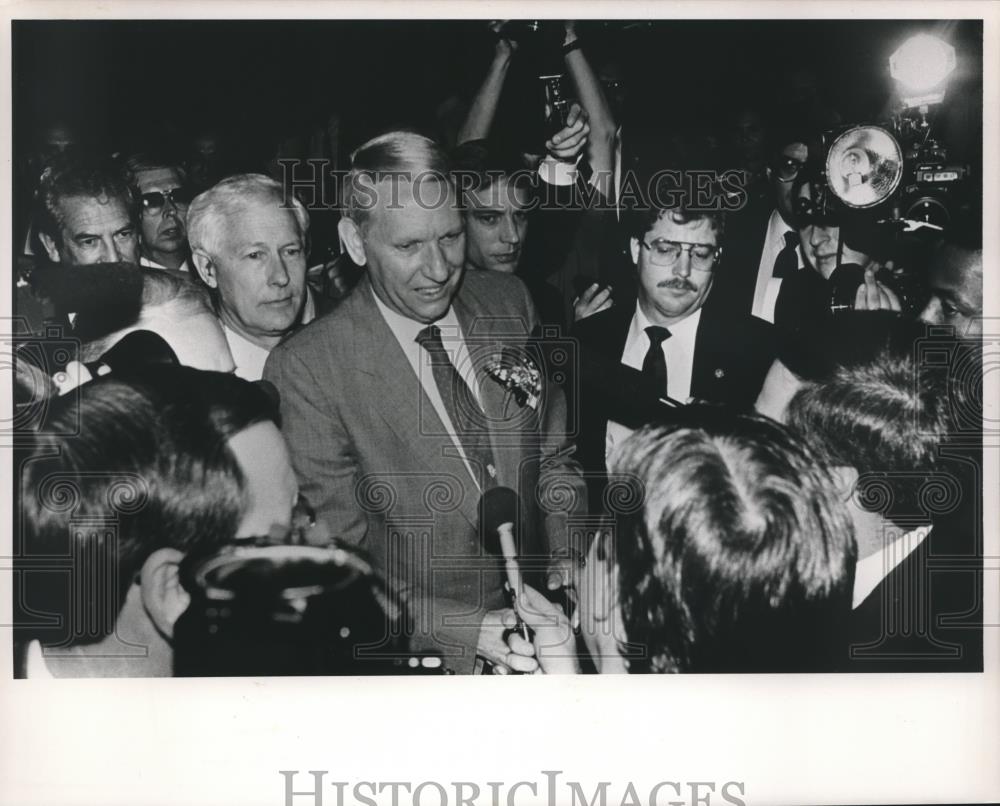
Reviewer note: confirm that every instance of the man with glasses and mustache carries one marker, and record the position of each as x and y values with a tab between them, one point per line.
673	344
164	195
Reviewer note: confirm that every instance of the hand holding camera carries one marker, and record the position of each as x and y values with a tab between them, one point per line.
570	138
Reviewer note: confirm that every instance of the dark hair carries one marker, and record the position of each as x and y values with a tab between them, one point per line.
880	410
742	558
643	220
75	175
798	123
163	291
851	338
477	164
129	466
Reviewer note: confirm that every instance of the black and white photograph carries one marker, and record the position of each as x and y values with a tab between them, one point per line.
345	349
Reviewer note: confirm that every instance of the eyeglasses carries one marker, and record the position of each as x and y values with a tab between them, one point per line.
154	201
667	253
787	168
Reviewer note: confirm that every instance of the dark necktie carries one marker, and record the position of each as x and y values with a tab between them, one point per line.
654	366
787	261
467	418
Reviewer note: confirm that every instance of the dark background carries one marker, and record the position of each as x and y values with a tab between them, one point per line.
261	80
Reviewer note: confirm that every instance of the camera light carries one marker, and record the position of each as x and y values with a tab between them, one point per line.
864	166
921	64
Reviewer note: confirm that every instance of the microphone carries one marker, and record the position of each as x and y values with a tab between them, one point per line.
497	513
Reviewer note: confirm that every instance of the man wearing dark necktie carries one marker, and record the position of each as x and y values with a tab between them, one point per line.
398	419
654	365
467	416
787	261
672	345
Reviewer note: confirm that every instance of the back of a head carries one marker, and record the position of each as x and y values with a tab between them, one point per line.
128	466
742	558
884	412
104	296
112	299
851	338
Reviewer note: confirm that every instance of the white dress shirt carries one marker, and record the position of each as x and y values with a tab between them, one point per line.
406	332
152	264
765	293
249	357
870	571
678	351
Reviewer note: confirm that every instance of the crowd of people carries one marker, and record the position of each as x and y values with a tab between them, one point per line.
743	424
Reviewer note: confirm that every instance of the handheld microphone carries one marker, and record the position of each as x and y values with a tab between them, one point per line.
497	514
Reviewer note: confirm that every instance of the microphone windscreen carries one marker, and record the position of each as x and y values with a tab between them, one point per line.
497	505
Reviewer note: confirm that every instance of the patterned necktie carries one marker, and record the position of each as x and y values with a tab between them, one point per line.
787	261
654	366
467	418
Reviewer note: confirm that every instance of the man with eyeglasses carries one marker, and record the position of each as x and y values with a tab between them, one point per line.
673	345
164	197
779	255
766	262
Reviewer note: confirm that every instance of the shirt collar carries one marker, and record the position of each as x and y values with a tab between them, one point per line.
870	571
406	330
687	326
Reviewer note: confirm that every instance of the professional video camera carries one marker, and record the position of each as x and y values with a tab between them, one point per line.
276	607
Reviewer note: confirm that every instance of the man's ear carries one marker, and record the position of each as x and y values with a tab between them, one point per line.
206	269
350	234
50	247
846	479
163	596
634	248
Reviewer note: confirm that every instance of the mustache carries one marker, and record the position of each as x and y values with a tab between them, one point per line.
678	284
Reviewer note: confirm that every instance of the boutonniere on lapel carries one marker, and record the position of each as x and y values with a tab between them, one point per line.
519	375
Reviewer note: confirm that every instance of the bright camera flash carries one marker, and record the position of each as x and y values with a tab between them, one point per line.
922	63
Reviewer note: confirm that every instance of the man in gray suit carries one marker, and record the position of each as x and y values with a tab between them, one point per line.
398	420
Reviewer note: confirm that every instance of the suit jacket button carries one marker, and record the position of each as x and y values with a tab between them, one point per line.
720	373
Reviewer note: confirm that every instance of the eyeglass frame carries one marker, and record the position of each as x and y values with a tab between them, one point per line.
787	161
168	195
716	253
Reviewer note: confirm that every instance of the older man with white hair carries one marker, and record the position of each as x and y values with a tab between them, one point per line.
249	243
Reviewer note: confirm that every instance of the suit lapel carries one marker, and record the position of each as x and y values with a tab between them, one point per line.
481	346
395	390
708	371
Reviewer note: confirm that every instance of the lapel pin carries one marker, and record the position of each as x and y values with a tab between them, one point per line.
720	373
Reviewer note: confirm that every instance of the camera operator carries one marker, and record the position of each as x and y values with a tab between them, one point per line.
845	256
168	461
